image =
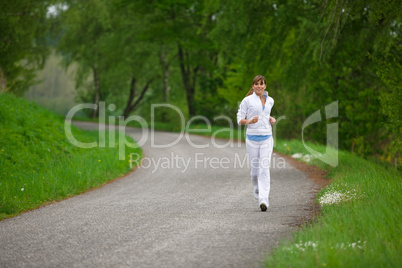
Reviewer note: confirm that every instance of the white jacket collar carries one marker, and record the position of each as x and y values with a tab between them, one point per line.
265	93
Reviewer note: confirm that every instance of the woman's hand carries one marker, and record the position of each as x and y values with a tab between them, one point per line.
272	120
253	120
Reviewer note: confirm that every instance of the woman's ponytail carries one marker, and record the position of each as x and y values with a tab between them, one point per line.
250	92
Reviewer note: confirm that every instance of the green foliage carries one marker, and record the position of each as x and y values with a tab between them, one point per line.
202	55
23	48
313	53
38	163
86	24
183	27
391	102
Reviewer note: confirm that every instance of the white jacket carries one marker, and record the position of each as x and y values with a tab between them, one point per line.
251	106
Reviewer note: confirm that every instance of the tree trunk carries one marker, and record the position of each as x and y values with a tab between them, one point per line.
190	101
165	76
165	73
130	98
130	106
3	81
396	157
95	112
189	79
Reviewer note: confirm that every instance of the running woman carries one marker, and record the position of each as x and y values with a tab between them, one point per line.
254	111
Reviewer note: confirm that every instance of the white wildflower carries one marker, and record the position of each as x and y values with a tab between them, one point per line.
297	155
335	196
304	246
331	198
306	158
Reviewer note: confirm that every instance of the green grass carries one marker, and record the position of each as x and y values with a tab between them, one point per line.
362	229
39	165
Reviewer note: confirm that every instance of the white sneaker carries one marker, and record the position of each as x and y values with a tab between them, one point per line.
263	206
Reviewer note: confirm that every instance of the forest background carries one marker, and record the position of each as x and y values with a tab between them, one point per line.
201	56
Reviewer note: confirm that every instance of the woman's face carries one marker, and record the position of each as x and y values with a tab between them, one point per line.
259	87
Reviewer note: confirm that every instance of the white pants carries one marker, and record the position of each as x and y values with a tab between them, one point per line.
260	153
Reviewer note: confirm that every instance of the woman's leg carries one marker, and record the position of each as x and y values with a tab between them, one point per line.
254	156
264	178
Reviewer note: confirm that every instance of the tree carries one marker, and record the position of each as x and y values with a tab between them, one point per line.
183	27
86	25
23	47
313	53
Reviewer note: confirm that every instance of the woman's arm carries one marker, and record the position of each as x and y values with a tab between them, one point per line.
248	121
272	120
242	114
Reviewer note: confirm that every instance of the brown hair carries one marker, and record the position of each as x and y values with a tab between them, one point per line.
256	79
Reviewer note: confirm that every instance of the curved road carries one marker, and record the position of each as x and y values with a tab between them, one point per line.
164	215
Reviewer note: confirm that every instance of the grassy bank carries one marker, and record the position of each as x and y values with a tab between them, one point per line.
360	222
39	165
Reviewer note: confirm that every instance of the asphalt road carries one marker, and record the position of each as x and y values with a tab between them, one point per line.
193	209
